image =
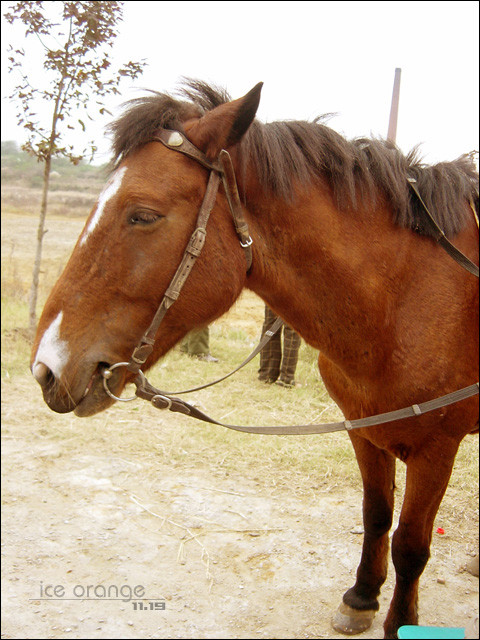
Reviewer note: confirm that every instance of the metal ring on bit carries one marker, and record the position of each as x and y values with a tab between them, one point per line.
107	374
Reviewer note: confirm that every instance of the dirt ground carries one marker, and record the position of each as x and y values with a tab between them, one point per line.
228	556
102	539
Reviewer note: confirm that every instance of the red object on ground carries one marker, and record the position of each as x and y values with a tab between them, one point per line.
440	531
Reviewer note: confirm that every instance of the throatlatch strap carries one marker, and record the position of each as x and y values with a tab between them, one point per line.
231	191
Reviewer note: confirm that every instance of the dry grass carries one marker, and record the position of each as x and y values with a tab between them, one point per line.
22	200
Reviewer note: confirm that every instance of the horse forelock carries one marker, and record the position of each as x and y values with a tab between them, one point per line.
143	116
288	152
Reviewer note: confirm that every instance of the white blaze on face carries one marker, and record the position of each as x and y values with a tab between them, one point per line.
111	188
52	350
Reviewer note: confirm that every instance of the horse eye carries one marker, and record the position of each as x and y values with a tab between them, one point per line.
144	217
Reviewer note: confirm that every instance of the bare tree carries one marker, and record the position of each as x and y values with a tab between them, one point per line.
77	60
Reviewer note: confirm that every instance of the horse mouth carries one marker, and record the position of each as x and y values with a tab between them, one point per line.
90	384
87	393
95	398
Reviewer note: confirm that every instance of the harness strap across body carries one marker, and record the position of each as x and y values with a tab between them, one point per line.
440	236
223	170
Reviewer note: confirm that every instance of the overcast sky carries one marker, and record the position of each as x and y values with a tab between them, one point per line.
314	58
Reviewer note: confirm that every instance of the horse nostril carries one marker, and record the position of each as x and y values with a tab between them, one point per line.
42	374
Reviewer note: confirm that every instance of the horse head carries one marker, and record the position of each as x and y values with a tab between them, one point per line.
129	249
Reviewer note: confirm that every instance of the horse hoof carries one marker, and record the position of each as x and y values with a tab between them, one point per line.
352	621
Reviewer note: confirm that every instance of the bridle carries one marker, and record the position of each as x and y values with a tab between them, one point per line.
222	170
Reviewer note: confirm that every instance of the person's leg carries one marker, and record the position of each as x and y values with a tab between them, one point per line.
199	345
184	344
291	346
198	342
271	354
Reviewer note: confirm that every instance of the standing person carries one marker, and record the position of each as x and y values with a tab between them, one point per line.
196	344
273	366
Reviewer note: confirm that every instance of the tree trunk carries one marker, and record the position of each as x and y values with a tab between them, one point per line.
32	311
38	254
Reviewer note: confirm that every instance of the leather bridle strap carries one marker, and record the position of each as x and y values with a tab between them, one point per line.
223	168
193	250
233	198
176	141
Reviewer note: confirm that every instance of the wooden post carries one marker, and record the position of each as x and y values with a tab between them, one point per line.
392	124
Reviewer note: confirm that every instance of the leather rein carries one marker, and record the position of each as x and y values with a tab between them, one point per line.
222	170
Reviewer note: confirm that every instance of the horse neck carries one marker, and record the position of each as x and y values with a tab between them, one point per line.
319	267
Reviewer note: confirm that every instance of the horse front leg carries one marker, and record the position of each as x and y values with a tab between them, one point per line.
360	603
428	474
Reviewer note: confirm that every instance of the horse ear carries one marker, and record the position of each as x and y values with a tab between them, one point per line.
225	125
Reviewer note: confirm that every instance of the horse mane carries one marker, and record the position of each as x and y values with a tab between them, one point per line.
288	152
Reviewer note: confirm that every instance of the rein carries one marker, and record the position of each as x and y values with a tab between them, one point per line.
222	169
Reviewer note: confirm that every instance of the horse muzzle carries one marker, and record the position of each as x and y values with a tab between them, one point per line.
84	395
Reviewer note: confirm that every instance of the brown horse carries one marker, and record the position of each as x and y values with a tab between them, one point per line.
340	251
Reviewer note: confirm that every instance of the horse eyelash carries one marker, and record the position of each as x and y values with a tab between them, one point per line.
144	217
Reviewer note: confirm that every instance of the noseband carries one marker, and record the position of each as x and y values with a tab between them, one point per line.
220	169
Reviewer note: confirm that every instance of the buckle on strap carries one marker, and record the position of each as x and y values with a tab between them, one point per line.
161	402
197	240
236	209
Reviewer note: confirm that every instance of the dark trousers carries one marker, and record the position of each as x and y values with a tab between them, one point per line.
196	343
274	364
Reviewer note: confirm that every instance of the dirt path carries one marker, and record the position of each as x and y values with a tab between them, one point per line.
228	555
